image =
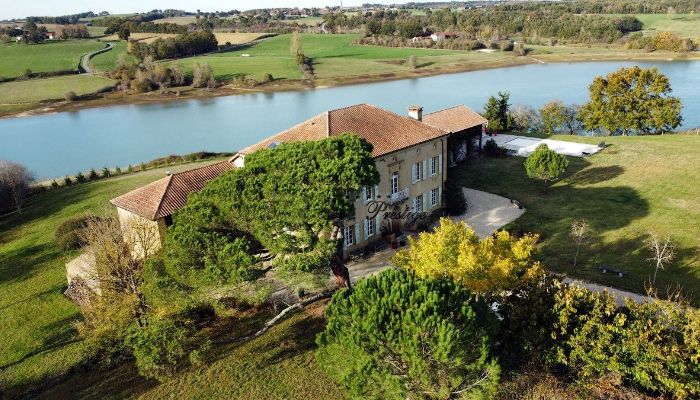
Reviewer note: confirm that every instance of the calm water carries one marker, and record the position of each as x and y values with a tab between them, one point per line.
65	143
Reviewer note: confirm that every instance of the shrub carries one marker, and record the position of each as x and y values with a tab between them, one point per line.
203	76
80	178
397	336
71	96
105	172
654	347
268	78
158	348
92	175
491	148
69	234
54	184
455	202
67	181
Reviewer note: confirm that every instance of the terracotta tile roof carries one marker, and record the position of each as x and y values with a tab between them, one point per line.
386	131
167	195
454	119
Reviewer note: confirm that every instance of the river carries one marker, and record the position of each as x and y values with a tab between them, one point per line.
54	145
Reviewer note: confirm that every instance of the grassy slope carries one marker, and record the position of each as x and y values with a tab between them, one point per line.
106	61
685	25
278	365
45	57
42	342
636	185
36	90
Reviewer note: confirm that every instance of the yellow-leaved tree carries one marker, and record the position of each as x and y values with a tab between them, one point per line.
487	267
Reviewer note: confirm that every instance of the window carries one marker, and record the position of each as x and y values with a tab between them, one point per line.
418	203
433	197
417	172
369	193
349	235
395	183
433	166
370	227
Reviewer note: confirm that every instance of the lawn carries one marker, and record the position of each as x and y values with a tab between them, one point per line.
39	341
332	55
15	59
36	90
636	185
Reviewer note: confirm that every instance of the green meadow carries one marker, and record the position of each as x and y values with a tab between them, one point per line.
53	56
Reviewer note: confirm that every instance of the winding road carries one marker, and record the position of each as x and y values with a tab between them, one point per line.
85	67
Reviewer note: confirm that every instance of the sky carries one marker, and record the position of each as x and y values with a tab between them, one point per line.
10	9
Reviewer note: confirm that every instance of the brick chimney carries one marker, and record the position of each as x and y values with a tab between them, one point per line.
416	112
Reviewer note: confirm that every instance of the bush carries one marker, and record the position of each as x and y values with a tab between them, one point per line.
80	178
158	348
203	76
71	96
654	347
68	235
397	336
491	148
67	181
455	202
92	175
268	78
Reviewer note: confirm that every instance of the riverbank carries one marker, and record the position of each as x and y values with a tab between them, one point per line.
539	54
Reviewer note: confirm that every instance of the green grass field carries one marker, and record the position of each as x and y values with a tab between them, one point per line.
39	341
106	61
332	55
636	185
36	90
15	59
685	25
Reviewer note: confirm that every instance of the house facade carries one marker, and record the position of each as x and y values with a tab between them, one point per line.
411	153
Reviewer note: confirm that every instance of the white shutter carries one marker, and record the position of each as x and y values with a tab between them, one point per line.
365	222
357	233
426	196
414	172
440	196
425	164
364	194
376	192
345	241
378	224
440	164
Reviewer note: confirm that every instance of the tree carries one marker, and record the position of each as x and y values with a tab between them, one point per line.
632	101
412	62
525	118
124	32
15	181
31	33
663	252
545	164
553	116
497	112
398	336
297	47
572	119
203	76
486	267
580	230
289	200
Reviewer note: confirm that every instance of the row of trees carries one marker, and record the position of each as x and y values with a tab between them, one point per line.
625	102
185	45
462	312
147	75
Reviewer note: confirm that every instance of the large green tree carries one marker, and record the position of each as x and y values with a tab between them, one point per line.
545	164
290	200
632	101
497	111
397	336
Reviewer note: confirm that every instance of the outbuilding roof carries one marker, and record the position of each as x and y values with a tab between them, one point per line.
167	195
454	119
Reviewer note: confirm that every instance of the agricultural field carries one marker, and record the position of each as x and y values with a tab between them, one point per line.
332	55
684	25
49	56
140	37
106	61
221	37
311	21
184	20
636	185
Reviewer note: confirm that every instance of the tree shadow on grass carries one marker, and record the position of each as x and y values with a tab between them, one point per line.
57	334
20	263
297	339
595	175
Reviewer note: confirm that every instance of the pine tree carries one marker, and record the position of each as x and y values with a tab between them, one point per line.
545	164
